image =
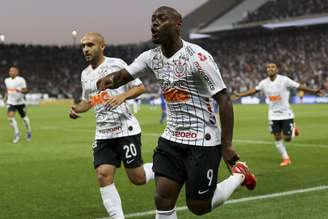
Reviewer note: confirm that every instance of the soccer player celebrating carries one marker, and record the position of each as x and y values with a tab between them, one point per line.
276	88
117	130
190	149
14	97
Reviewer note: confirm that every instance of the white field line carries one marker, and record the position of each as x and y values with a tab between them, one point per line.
245	141
235	201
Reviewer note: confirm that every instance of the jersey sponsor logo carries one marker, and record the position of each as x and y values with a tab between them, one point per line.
110	130
201	57
275	98
185	134
175	95
157	61
99	98
190	50
204	75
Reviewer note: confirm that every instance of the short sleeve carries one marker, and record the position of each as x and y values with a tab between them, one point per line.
23	83
139	66
291	83
259	87
208	72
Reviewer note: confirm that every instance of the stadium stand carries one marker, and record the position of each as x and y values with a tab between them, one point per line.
281	9
299	52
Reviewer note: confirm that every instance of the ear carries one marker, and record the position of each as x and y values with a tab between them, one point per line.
179	25
102	47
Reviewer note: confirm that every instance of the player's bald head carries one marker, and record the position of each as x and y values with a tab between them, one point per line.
96	37
170	11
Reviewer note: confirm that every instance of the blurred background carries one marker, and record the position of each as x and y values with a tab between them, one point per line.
42	38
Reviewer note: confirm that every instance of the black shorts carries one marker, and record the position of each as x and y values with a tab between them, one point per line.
286	126
193	165
20	108
113	151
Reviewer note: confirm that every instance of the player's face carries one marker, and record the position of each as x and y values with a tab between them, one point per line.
13	72
92	48
164	26
272	69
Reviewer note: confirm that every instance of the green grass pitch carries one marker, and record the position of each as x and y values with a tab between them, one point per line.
52	176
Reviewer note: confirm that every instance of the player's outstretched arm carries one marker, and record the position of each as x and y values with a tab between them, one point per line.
115	101
114	80
81	107
310	90
245	94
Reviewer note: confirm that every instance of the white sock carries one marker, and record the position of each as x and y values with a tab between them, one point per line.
282	149
149	173
171	214
13	124
27	124
112	201
225	189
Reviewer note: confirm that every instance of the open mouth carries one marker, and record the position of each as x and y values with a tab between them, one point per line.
154	33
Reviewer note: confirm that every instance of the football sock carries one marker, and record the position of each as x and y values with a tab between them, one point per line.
149	173
171	214
112	201
27	124
225	188
282	149
13	124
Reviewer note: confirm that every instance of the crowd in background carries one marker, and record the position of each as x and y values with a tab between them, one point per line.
281	9
52	69
300	53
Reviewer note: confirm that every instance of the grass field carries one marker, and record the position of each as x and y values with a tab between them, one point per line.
53	176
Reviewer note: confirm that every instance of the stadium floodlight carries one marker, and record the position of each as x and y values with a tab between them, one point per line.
74	33
2	38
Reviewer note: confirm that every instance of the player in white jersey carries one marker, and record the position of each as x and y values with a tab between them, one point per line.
117	130
190	149
277	90
15	99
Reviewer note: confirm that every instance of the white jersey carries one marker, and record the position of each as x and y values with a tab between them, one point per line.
114	123
277	93
188	80
14	87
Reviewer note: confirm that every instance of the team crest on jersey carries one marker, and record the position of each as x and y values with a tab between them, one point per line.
180	66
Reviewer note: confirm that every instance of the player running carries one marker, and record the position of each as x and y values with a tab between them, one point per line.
190	149
15	99
117	130
276	88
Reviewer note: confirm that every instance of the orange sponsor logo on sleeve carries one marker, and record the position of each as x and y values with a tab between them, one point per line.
100	98
275	98
174	95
